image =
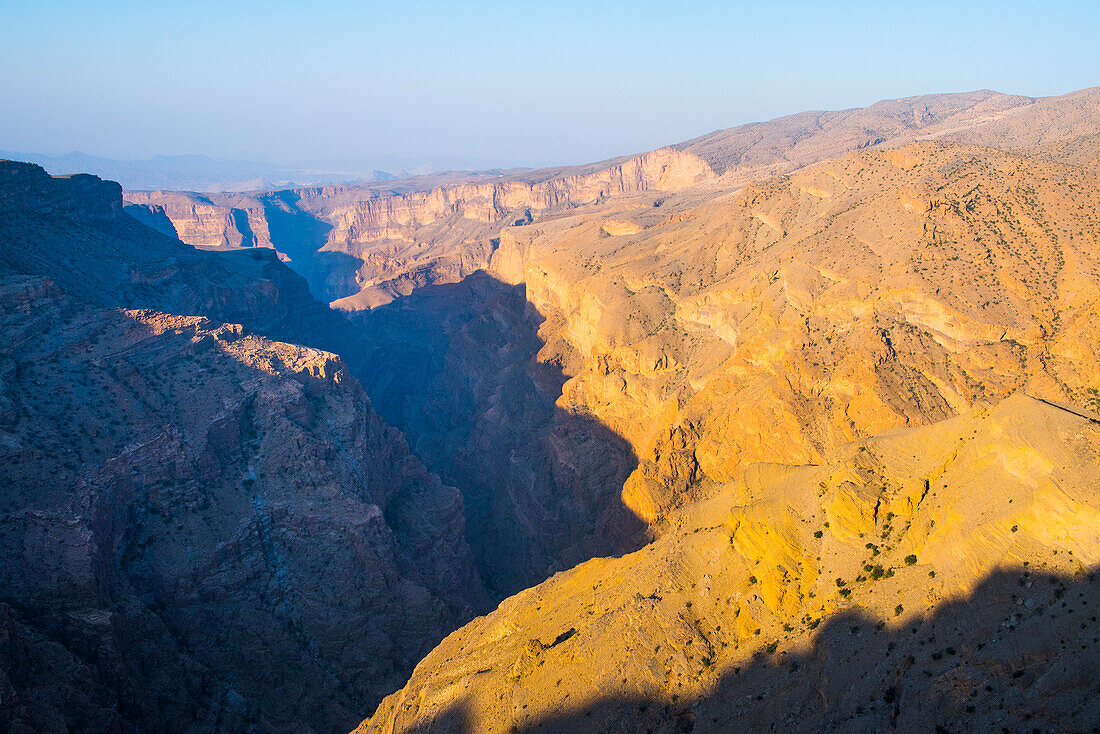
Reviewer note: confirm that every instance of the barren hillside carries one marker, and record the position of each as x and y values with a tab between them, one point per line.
918	579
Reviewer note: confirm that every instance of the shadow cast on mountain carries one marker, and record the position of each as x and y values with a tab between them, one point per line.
152	217
454	365
1020	654
196	536
455	368
300	235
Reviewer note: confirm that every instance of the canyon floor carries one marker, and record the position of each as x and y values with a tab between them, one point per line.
792	426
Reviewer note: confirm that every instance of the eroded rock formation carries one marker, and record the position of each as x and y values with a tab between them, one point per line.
678	346
201	528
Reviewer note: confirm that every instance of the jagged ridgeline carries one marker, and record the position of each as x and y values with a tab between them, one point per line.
791	425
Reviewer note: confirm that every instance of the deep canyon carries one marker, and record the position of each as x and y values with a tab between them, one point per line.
613	447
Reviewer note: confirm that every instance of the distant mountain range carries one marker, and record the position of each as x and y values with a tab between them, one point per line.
198	172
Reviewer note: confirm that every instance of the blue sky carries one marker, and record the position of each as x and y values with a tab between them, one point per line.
496	83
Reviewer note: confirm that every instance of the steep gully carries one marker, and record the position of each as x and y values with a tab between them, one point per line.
454	366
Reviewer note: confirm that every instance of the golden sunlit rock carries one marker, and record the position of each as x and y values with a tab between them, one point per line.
921	563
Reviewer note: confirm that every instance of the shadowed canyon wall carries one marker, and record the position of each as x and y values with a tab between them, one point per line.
456	368
201	528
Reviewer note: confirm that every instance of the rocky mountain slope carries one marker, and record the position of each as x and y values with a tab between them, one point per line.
880	289
924	578
774	323
719	326
202	529
676	348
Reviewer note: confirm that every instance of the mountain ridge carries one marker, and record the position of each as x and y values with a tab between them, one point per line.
440	233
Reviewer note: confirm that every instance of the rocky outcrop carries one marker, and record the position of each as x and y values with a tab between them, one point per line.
199	221
922	578
202	528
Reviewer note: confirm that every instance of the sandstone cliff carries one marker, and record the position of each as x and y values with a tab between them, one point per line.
923	578
198	221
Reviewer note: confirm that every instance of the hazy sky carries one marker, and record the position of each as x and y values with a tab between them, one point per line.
501	83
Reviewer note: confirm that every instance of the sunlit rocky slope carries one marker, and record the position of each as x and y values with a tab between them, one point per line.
767	323
876	290
911	582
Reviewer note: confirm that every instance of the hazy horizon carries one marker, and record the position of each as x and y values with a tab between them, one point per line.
492	85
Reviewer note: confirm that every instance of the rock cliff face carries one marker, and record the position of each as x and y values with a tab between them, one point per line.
201	528
878	290
721	326
361	223
708	325
678	347
198	221
697	325
923	578
388	232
